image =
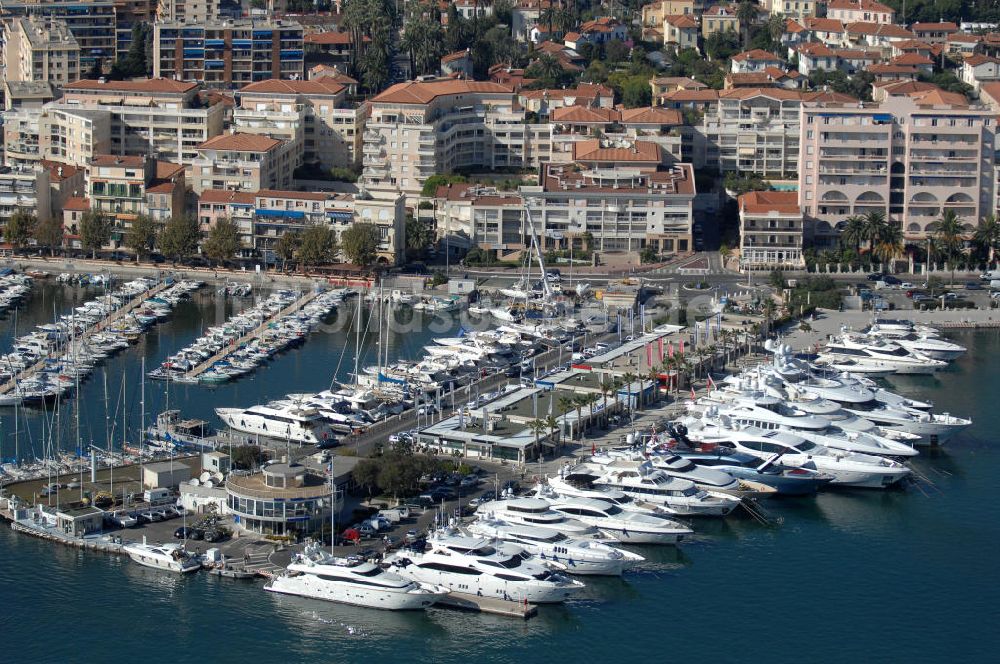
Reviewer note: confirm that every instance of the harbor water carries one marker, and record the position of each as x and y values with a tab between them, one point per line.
901	575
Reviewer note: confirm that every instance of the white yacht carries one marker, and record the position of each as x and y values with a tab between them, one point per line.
674	495
171	557
534	512
921	342
580	556
613	521
478	566
317	574
863	442
282	421
930	427
847	468
673	465
878	353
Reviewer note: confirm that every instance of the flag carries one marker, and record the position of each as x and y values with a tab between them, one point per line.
693	397
711	383
670	349
593	448
681	348
649	354
659	343
695	334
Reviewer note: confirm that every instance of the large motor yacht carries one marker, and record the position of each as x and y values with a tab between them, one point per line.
317	574
535	512
581	556
675	495
281	421
878	353
479	566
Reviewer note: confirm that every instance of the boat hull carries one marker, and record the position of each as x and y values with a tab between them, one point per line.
312	587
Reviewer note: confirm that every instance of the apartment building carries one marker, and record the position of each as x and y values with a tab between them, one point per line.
123	188
92	23
314	111
865	11
771	230
24	190
187	11
419	128
793	9
150	116
66	135
662	126
244	162
911	158
619	194
228	53
26	94
40	49
266	215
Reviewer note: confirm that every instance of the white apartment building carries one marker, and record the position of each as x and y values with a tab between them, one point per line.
771	230
244	162
313	112
187	11
150	116
39	48
67	135
25	190
419	128
912	158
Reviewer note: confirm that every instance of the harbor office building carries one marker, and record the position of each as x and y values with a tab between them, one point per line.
284	499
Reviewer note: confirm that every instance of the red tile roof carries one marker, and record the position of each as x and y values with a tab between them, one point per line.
756	54
424	92
76	203
763	202
866	5
640	152
227	196
946	26
151	85
241	143
325	85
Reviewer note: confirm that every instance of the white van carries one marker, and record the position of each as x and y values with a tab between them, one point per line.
991	276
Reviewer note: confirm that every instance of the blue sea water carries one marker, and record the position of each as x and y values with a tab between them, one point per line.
849	576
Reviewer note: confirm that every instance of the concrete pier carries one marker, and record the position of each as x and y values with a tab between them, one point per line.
111	318
494	605
228	350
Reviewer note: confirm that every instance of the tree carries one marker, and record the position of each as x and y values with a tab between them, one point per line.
419	236
722	45
140	237
287	246
19	229
423	39
134	63
179	237
49	234
371	24
949	235
987	236
432	183
537	427
888	242
615	51
547	70
636	93
318	245
852	232
360	243
95	231
725	253
746	15
223	241
365	474
596	72
628	379
776	27
247	457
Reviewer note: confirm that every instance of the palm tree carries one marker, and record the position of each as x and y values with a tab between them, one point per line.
852	232
776	27
888	243
629	378
949	234
579	401
987	236
654	377
551	424
874	223
746	14
537	427
566	405
607	387
591	399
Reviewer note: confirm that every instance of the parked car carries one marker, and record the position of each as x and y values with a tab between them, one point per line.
973	285
891	280
921	297
876	276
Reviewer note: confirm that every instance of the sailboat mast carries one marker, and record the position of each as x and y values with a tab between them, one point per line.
357	342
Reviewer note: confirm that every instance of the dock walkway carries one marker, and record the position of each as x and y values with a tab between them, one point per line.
100	325
238	343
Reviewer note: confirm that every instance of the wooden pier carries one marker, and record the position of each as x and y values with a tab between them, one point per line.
100	325
228	350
